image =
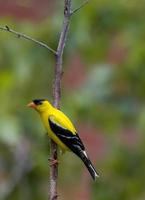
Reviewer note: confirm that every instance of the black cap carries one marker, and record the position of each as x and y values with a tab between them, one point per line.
38	101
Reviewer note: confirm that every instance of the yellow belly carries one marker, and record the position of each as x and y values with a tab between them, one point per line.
53	136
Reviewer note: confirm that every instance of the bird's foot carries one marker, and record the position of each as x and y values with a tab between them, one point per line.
53	161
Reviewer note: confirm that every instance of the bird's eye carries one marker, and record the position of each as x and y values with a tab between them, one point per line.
38	101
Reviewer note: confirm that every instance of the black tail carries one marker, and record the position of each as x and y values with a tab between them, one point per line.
88	164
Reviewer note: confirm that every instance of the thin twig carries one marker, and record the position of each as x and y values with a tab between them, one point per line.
57	92
24	36
81	6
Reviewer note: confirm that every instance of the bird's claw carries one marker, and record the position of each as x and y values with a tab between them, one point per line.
53	161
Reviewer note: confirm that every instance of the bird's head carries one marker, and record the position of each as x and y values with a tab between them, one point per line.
40	105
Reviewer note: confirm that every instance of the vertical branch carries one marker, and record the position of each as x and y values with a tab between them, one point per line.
59	53
57	92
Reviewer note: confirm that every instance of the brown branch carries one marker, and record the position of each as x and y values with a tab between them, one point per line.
59	54
24	36
57	92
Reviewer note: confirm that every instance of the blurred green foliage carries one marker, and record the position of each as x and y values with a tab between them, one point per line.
108	38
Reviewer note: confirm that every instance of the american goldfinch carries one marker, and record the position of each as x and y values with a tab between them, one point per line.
61	130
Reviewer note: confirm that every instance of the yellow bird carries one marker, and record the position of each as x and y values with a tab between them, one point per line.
61	130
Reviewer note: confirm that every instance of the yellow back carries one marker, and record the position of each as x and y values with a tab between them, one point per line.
59	118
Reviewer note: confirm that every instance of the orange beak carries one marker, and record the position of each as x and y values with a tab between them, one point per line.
31	105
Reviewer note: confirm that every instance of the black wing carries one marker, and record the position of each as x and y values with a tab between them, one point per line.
73	142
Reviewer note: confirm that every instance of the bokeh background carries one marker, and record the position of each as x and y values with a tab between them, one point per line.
103	92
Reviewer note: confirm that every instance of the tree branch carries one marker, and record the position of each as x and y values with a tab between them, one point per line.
59	54
57	92
21	35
